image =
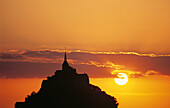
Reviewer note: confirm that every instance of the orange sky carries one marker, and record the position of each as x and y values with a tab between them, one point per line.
118	25
148	85
102	37
148	92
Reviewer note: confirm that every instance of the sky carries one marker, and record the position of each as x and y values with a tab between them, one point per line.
118	25
102	38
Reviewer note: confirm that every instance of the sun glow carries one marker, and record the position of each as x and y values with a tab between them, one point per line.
122	79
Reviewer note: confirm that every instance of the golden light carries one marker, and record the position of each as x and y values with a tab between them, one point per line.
122	79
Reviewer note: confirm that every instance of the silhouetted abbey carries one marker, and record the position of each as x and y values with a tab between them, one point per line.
67	89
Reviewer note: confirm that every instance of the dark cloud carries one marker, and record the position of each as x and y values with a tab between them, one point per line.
42	70
96	65
10	56
27	69
43	54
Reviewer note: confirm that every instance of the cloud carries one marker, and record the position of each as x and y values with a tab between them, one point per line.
10	56
39	63
134	74
42	54
107	64
27	69
151	72
131	74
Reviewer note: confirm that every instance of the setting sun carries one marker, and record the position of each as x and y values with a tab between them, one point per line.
122	79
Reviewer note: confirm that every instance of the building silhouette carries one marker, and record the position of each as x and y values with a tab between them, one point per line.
68	89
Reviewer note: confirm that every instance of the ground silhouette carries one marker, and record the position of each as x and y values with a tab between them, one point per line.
67	89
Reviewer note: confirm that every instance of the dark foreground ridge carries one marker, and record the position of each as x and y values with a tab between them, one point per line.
67	89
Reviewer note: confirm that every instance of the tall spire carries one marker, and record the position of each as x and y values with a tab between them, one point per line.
65	63
65	56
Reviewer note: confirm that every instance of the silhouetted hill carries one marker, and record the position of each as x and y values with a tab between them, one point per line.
67	89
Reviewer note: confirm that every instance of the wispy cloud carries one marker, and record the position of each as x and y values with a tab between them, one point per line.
96	64
134	74
107	64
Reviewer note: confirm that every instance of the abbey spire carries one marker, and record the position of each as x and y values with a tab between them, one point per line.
65	63
65	57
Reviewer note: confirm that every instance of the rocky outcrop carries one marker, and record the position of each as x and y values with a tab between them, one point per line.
67	89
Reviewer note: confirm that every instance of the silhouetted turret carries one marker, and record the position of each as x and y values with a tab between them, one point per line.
67	89
68	70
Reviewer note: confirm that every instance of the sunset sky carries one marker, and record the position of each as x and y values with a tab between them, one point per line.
102	37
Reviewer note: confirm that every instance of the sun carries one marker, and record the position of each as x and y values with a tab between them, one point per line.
122	79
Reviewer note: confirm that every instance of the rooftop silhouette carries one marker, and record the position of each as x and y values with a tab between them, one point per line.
68	89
